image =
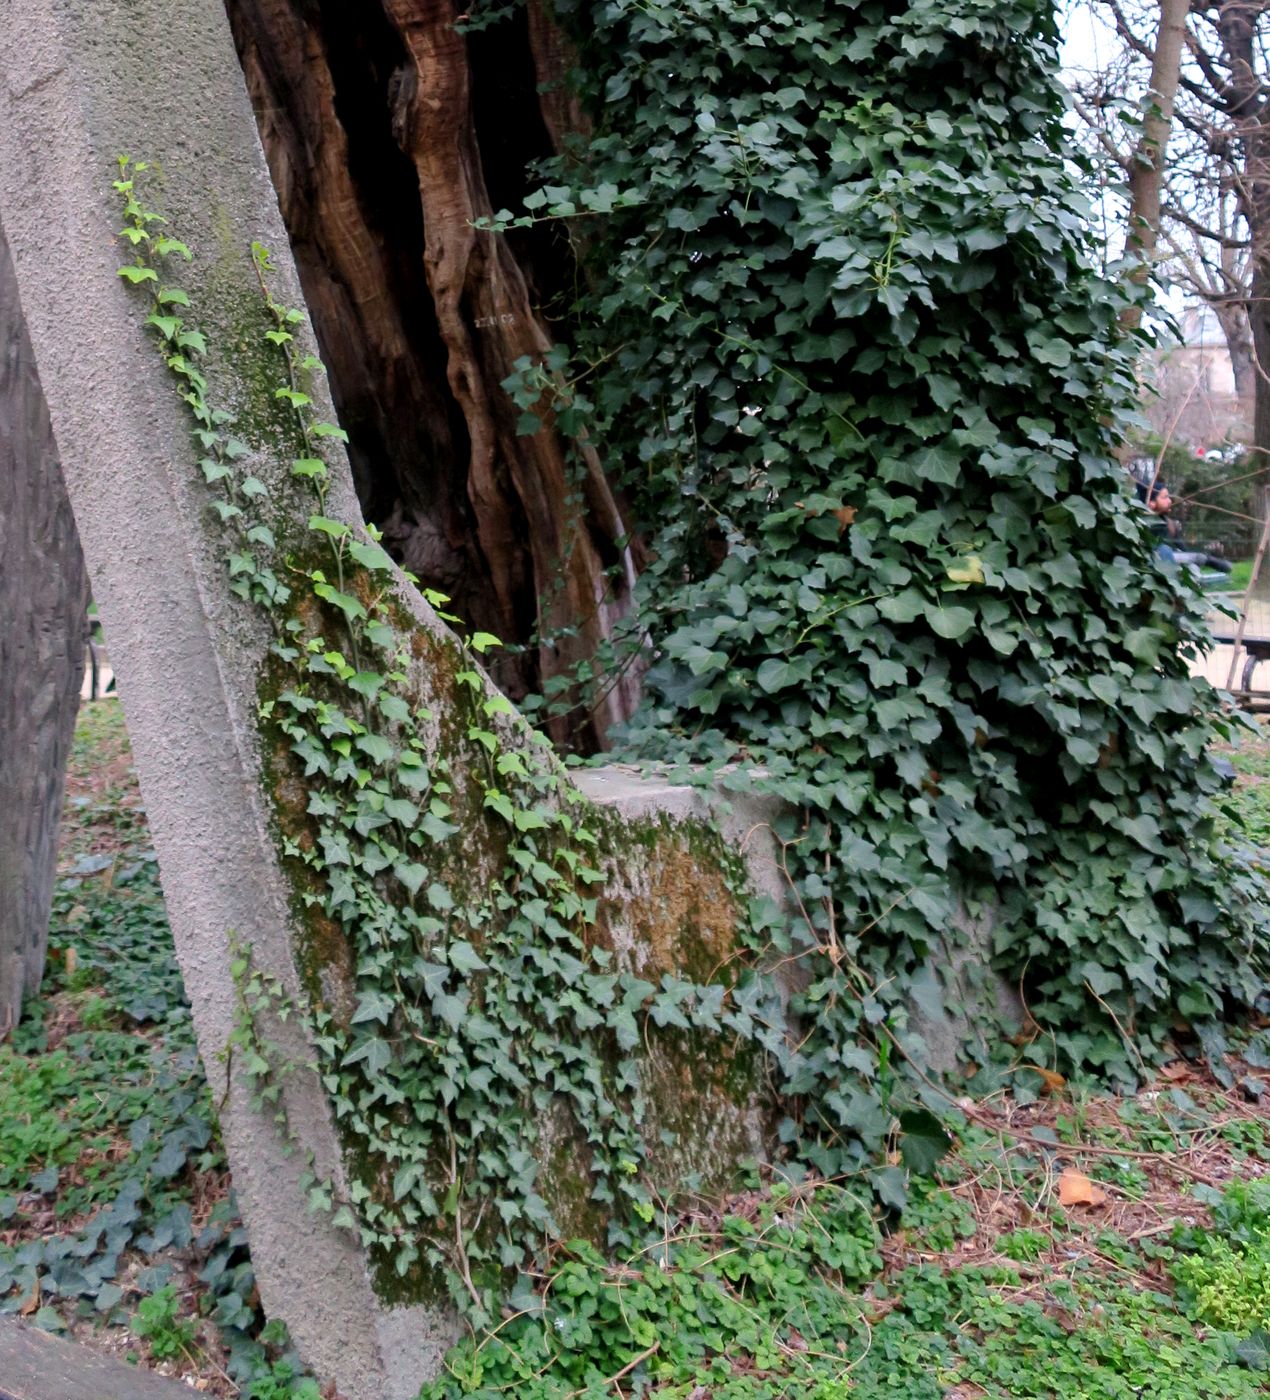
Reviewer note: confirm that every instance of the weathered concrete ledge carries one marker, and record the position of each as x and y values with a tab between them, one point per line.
36	1366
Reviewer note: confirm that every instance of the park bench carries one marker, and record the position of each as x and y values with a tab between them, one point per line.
1256	650
37	1366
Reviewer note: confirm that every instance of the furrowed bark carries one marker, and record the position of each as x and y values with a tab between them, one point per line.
389	134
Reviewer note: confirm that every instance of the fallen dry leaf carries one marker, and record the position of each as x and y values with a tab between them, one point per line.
1076	1189
1051	1081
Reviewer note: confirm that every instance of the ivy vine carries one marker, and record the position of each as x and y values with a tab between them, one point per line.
476	1014
842	338
846	349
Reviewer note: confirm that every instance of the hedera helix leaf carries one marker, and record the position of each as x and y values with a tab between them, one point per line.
411	874
465	959
376	748
349	606
440	899
951	622
371	556
373	1006
166	246
167	326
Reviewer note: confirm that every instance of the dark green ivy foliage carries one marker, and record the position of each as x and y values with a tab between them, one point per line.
859	377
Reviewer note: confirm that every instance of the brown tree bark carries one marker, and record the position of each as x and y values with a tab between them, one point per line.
1146	170
390	133
43	603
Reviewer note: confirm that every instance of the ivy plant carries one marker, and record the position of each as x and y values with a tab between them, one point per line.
481	1023
846	348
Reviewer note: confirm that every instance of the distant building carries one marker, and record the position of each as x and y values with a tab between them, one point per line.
1196	403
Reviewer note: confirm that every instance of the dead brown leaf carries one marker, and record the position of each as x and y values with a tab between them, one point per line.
1051	1081
1076	1189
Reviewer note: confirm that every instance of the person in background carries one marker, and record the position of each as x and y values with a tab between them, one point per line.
1169	548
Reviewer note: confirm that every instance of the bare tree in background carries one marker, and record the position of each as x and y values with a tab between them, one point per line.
1148	162
1213	189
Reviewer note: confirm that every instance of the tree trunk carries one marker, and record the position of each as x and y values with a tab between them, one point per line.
1146	171
388	135
1232	317
43	600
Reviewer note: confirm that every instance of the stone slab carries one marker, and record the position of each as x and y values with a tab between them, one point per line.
82	82
37	1366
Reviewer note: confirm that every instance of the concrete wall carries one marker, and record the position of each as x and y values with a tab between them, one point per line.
82	83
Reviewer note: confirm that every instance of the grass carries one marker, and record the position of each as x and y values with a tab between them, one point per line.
1236	581
1072	1245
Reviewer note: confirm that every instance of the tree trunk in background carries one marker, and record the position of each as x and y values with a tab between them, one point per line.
388	133
43	601
1146	170
1232	317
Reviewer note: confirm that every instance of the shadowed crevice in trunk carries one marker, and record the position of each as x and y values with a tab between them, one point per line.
389	134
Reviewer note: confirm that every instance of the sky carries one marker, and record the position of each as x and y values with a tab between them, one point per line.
1087	38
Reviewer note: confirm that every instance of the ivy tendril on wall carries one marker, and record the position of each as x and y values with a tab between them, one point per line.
476	1013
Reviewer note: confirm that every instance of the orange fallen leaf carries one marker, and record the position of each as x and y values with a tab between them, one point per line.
32	1304
1076	1189
1051	1080
1178	1069
845	515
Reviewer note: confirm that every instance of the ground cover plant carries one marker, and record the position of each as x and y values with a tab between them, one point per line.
115	1204
1073	1244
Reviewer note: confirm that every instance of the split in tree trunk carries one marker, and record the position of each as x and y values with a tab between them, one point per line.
390	134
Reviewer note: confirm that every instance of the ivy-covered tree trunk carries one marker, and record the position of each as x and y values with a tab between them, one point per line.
43	598
391	133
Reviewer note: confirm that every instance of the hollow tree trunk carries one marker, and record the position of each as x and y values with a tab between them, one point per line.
43	600
388	134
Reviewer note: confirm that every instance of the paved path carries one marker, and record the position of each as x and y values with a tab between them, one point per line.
1216	666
